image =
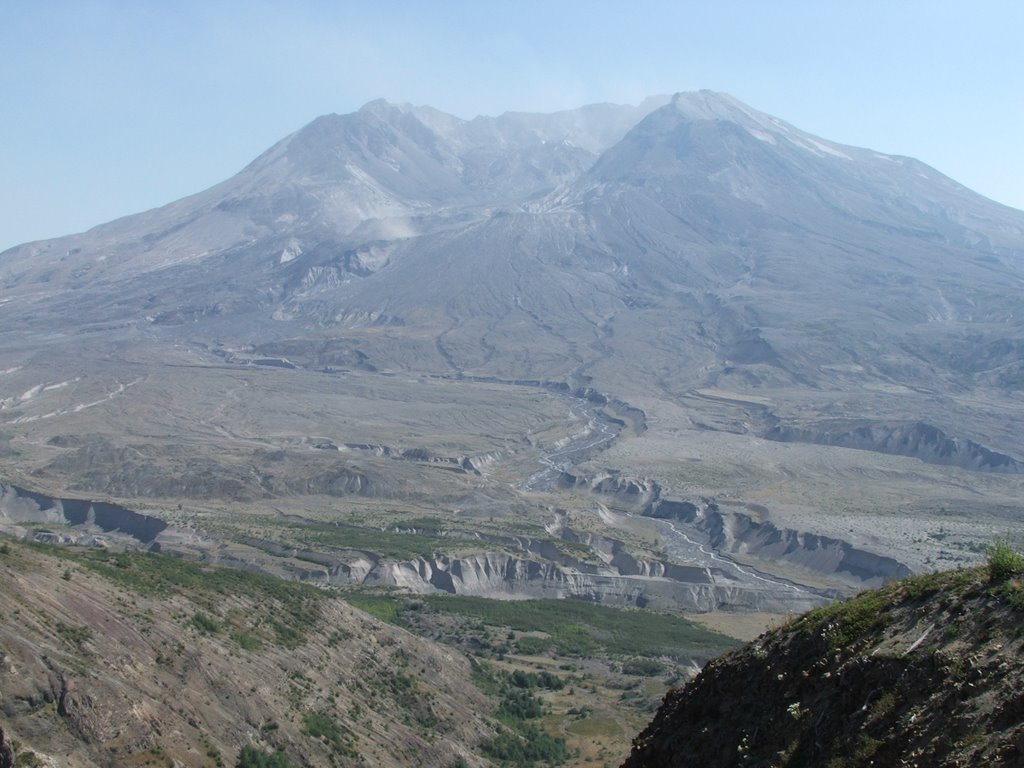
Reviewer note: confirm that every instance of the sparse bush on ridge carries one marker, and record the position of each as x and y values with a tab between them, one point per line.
1004	562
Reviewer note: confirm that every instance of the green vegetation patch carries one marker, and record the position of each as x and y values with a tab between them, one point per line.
247	641
251	757
74	635
531	645
846	622
205	624
643	667
525	745
596	727
928	584
385	608
1004	562
578	628
320	725
518	741
388	544
283	611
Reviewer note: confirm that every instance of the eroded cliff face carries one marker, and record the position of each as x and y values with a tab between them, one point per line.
18	505
730	531
651	584
916	439
924	672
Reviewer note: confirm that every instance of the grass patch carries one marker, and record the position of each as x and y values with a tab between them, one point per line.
388	544
205	624
928	584
596	727
251	757
74	635
385	608
321	725
525	745
285	611
247	641
1004	562
642	667
531	645
848	621
578	628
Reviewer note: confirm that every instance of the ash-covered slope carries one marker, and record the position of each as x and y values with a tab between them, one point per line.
704	245
924	672
342	178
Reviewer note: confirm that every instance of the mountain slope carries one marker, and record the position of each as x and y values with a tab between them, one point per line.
924	672
762	246
134	659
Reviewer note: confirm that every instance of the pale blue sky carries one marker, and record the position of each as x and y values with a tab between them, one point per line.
112	107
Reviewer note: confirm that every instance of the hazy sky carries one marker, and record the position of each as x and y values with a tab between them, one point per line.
109	108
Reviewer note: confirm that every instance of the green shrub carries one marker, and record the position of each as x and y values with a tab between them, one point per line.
204	623
525	745
251	757
246	641
845	622
1003	562
531	646
642	667
320	725
519	704
580	628
382	607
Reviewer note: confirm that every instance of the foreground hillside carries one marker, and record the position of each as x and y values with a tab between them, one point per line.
126	658
133	659
925	672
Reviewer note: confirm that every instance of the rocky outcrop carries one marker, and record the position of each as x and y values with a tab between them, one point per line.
914	439
6	752
925	672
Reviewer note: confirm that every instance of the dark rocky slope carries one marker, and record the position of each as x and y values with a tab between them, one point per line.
925	672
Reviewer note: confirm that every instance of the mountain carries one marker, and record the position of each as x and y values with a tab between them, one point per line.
397	314
923	672
765	250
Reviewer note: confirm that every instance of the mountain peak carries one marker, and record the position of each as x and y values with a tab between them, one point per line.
705	104
378	107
